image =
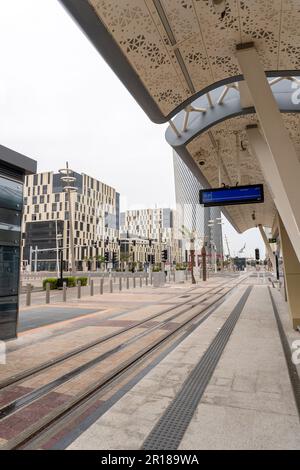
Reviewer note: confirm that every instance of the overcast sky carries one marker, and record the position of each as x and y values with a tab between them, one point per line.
60	101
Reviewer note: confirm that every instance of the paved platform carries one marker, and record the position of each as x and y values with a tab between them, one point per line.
36	317
248	402
170	337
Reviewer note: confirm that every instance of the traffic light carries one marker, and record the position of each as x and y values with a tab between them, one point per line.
115	257
151	259
164	255
257	257
106	256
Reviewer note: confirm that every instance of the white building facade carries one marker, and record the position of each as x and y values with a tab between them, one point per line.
153	229
46	218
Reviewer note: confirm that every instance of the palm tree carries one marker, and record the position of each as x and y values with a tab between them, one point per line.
124	259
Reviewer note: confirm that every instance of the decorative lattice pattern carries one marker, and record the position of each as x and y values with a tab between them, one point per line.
205	41
202	149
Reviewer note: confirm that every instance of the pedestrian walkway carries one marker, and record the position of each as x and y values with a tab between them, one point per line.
247	404
177	367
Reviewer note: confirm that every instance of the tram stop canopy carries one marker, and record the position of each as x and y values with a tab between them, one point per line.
224	74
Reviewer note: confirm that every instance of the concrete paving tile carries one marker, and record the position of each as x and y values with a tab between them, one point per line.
223	382
244	383
12	393
11	426
275	432
217	427
107	439
247	400
250	381
121	428
158	387
2	442
266	382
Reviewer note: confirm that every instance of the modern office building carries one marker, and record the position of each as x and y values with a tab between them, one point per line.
203	222
138	252
13	168
152	230
46	221
155	224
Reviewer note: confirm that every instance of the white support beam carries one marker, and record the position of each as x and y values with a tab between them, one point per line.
282	165
261	151
210	102
245	97
267	245
174	128
223	94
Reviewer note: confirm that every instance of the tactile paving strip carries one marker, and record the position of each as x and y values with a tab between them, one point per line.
169	430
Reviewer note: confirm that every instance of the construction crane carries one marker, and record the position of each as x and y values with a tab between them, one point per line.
242	249
228	249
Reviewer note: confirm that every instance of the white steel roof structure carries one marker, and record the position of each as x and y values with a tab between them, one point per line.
179	60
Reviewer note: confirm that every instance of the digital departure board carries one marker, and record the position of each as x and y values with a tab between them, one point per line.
248	194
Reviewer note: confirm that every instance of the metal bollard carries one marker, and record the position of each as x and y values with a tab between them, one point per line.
120	284
101	285
111	286
28	295
48	293
146	280
141	281
127	282
79	290
92	287
151	278
64	291
134	283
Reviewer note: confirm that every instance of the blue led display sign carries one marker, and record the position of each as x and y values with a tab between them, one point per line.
248	194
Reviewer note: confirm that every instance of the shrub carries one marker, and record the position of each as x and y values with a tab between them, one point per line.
180	267
52	281
83	280
156	269
71	281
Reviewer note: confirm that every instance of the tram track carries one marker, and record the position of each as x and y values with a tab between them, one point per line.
113	375
14	379
24	400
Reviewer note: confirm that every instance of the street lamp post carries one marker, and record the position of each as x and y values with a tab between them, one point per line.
211	225
58	238
69	180
61	283
203	254
192	251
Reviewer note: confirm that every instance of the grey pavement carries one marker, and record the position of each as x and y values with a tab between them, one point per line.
248	403
47	315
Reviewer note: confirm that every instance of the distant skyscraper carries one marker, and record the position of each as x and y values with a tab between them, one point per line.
191	214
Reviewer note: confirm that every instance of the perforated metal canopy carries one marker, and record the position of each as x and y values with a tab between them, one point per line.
178	59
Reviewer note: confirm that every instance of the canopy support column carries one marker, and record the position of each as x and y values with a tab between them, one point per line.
276	153
267	245
261	151
291	275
